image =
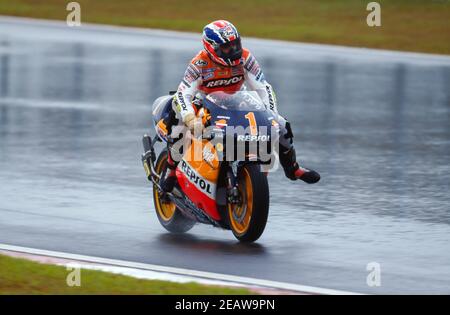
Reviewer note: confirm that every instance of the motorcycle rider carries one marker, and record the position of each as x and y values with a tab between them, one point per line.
223	65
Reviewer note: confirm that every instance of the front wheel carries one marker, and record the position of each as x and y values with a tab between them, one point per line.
248	218
168	214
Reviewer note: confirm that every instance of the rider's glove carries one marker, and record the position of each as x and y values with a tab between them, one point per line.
193	122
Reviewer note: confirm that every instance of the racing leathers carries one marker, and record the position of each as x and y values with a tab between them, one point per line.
205	76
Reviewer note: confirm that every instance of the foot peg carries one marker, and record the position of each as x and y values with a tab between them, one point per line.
167	184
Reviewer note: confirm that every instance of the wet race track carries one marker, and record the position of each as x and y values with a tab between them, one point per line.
74	104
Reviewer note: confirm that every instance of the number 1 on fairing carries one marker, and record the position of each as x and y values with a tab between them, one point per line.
252	121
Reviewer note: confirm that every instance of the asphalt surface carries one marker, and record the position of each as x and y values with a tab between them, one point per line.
74	103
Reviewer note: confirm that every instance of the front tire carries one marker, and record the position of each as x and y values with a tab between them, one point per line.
168	214
248	219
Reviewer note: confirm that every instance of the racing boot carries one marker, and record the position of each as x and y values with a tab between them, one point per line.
293	171
168	183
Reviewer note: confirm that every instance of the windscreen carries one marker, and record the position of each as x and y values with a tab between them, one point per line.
237	101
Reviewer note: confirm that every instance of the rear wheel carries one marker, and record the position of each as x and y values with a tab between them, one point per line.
248	218
168	214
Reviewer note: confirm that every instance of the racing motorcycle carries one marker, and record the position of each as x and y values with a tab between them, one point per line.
220	178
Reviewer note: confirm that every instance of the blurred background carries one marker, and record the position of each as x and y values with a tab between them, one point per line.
74	103
411	25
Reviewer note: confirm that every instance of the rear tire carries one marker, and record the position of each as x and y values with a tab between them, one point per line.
168	214
248	220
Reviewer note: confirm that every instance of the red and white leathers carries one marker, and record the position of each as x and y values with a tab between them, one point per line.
204	76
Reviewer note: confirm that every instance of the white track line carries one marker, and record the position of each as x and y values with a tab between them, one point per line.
178	271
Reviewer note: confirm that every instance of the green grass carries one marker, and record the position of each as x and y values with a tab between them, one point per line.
412	25
20	276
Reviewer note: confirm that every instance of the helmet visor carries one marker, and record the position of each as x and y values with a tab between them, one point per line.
230	51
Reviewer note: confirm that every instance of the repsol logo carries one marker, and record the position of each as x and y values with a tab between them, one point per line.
224	82
194	178
181	101
269	93
253	138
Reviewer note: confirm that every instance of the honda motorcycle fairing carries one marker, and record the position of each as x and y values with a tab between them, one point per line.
220	172
198	178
